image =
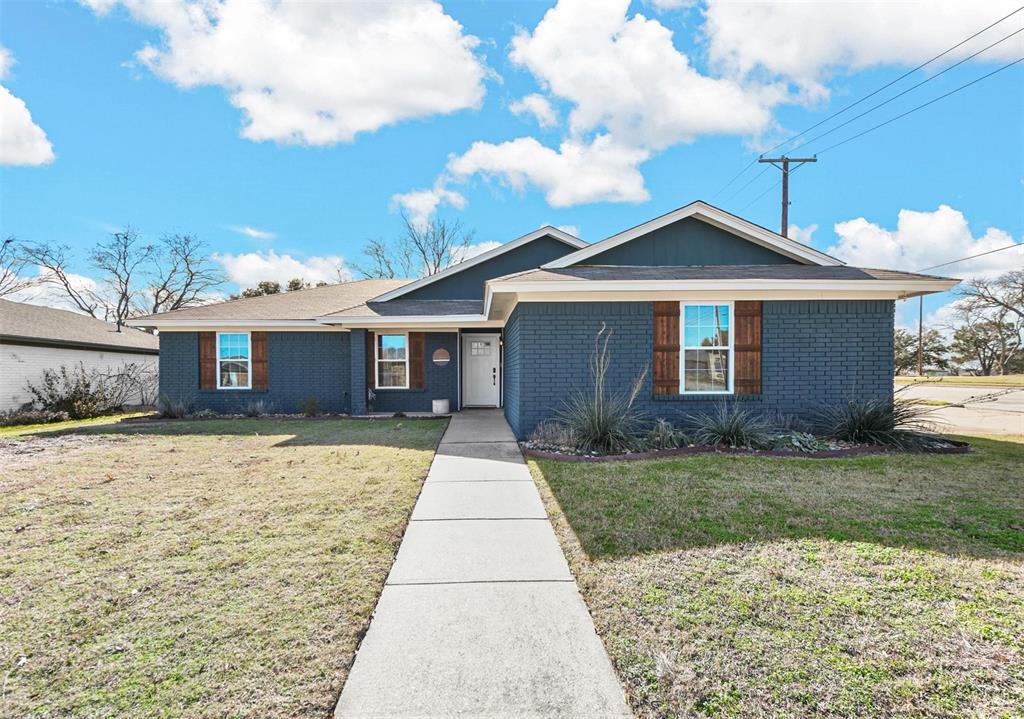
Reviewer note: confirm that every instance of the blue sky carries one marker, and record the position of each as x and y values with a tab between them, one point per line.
659	103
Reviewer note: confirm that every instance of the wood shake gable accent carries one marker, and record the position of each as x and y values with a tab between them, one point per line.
207	360
417	360
666	348
258	349
746	328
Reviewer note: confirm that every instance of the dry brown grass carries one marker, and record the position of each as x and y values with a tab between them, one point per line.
888	586
209	569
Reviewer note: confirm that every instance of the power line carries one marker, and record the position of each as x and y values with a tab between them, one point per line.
909	89
921	106
866	97
889	84
971	257
747	183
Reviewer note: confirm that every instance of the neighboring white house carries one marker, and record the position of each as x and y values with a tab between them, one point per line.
34	338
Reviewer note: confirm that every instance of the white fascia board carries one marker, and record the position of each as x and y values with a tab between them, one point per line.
158	323
639	288
558	234
714	216
406	320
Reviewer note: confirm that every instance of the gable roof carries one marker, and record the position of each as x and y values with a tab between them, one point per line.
63	328
546	231
298	306
708	213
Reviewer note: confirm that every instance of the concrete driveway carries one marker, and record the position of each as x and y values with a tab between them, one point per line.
972	410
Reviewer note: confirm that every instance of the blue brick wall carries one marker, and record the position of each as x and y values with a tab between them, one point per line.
441	382
357	379
300	365
814	352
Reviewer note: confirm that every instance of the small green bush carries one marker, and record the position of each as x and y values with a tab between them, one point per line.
173	407
310	407
258	408
31	416
728	425
204	413
880	420
664	435
797	442
75	391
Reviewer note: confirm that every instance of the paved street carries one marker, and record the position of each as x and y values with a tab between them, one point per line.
1000	411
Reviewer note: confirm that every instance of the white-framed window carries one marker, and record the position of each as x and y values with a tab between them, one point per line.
392	361
705	357
234	361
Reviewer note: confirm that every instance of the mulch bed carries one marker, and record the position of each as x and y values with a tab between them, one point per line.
957	447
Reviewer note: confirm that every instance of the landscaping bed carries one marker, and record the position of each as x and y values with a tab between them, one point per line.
216	568
737	585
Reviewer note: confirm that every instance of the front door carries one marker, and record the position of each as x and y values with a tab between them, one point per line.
481	370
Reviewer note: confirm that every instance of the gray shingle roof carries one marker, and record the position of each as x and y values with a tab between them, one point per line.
297	305
713	272
413	308
61	327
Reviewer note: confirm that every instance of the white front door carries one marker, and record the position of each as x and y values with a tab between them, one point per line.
481	370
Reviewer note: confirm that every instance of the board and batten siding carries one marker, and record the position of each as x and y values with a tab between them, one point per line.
20	364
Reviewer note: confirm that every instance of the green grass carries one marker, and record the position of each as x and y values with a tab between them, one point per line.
219	568
885	586
19	429
1006	380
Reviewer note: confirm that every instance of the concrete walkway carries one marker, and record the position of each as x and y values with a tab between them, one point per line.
480	615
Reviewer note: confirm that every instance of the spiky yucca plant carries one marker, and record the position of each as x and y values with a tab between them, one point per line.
878	420
729	425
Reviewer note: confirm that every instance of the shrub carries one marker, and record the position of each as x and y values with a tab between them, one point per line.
603	420
553	435
310	407
730	426
664	435
204	413
797	442
879	420
78	392
27	415
173	407
259	407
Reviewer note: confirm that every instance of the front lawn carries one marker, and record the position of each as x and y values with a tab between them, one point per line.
1003	380
883	586
213	568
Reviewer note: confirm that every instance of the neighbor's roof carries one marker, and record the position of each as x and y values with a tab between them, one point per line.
49	326
597	273
411	308
301	305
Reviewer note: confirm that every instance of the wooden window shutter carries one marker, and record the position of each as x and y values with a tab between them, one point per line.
258	349
746	328
417	360
371	356
207	360
666	348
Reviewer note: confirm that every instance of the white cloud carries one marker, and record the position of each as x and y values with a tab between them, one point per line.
578	172
420	205
538	106
249	268
802	234
462	254
573	230
22	141
805	42
52	295
312	72
252	232
625	74
923	239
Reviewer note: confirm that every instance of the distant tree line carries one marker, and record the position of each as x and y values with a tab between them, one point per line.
987	332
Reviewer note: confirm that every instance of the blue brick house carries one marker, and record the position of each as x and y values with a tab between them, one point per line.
702	304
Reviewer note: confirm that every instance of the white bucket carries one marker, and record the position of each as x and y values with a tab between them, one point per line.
441	406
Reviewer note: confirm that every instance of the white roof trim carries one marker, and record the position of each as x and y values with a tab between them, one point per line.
221	323
558	234
403	320
712	215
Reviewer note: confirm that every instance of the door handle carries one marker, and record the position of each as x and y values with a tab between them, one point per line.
494	376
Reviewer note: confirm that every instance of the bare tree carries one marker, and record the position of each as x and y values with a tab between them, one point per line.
122	260
54	261
422	250
182	274
990	339
12	263
1005	293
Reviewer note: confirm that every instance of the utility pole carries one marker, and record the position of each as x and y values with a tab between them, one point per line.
785	183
